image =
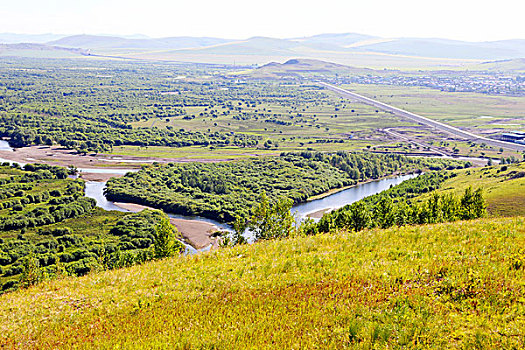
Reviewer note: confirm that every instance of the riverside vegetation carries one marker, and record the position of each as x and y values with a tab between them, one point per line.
48	227
222	191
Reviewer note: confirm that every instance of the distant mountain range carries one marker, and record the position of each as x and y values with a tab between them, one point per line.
313	46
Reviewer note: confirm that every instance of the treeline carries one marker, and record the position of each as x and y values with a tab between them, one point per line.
89	136
221	191
273	219
385	213
399	205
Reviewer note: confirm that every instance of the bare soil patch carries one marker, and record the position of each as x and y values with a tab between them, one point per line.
54	155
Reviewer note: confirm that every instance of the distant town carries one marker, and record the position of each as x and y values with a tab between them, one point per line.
481	82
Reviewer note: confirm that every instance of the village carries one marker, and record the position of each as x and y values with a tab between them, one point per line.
480	82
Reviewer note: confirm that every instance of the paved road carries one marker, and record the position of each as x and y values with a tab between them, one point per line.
423	120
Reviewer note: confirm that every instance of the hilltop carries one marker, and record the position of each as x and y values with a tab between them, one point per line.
432	286
300	66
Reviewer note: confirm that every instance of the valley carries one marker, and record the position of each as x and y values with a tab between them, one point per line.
331	191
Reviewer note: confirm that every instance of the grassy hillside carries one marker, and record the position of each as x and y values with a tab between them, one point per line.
454	285
503	186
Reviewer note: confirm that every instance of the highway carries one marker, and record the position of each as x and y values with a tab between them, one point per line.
423	120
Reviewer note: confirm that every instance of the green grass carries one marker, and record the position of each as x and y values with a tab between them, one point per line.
461	109
504	190
455	285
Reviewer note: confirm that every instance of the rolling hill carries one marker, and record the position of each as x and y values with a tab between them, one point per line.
296	67
95	42
343	43
346	48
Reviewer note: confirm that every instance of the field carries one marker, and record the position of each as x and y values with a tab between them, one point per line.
203	112
475	112
480	113
432	286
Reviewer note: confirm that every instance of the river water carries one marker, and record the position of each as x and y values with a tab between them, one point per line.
4	146
337	200
348	196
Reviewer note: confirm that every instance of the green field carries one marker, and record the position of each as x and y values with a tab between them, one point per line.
433	286
476	112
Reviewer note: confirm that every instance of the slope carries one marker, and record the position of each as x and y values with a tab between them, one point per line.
436	286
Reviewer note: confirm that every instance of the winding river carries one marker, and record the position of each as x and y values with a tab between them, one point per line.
333	201
337	200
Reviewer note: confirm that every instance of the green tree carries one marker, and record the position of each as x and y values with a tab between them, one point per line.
449	207
472	204
434	208
31	273
384	215
239	226
166	244
358	215
272	220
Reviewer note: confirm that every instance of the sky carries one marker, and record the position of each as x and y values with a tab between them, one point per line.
471	20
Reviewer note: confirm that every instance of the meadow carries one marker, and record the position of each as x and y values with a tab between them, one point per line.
431	286
503	186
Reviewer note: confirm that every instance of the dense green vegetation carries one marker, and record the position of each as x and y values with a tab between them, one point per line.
437	197
84	107
39	195
221	191
455	285
48	227
93	107
385	213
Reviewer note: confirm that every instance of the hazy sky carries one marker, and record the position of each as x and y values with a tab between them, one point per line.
474	20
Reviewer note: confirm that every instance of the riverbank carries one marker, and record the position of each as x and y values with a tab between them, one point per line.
56	155
97	177
196	233
340	189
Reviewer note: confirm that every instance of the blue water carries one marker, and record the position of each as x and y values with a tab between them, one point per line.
348	196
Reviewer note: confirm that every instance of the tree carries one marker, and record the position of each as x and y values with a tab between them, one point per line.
166	244
358	215
239	227
449	207
472	204
384	215
272	220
